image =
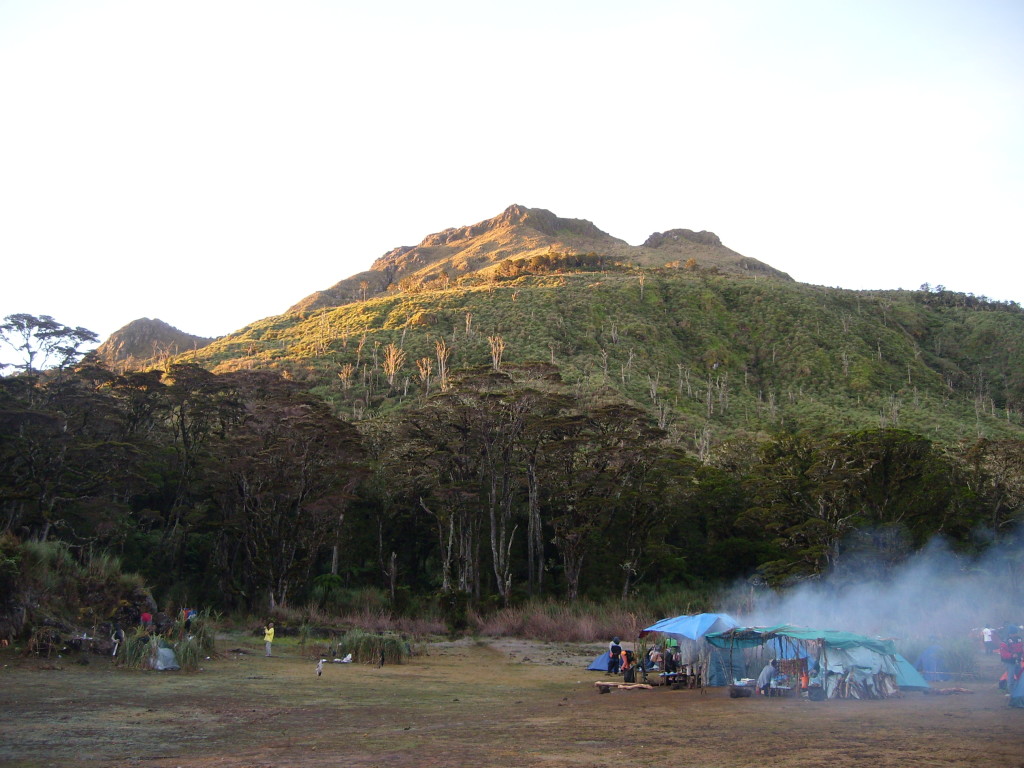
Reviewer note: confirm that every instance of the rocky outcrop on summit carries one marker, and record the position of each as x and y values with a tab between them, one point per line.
519	232
516	232
659	239
145	341
705	249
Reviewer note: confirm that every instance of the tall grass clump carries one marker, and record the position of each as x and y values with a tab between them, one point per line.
191	646
580	621
368	648
195	643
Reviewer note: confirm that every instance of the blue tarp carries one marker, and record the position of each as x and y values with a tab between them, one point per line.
1017	694
693	627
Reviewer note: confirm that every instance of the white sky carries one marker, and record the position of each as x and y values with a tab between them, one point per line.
210	163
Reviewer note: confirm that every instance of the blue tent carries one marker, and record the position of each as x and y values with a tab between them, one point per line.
600	664
931	664
1017	694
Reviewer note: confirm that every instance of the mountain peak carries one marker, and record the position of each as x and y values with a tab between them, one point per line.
146	340
515	216
519	232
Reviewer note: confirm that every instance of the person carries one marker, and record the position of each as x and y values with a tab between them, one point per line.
764	680
672	659
1010	652
656	658
146	619
614	656
628	666
988	644
268	636
117	637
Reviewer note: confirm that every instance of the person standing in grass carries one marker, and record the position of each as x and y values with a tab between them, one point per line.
614	656
268	636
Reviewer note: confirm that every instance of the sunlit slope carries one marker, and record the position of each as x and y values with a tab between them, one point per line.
709	355
519	233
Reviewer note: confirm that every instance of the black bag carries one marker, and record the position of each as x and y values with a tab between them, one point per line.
629	675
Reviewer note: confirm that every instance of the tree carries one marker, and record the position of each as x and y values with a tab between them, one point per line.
587	472
394	359
43	342
287	469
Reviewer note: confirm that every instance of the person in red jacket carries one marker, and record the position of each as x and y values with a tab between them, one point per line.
1010	652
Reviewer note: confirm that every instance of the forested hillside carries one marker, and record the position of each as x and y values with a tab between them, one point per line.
562	426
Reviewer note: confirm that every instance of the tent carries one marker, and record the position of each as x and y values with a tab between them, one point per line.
689	632
931	663
599	664
838	664
907	677
1017	694
164	659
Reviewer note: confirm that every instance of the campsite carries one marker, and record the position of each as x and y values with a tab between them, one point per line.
470	702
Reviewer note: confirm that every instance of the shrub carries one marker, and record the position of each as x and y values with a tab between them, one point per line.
368	648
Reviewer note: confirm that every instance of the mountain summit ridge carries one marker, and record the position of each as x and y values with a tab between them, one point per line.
520	232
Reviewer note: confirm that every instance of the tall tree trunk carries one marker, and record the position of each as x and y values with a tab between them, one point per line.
534	534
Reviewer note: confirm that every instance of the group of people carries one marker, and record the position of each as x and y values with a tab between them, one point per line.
623	661
667	659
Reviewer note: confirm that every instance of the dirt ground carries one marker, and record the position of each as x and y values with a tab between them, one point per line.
495	703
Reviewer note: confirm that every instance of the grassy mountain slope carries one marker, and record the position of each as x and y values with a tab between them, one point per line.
710	355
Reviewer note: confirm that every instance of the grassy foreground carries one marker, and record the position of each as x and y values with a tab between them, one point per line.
467	703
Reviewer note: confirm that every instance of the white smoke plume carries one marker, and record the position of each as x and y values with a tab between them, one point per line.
935	593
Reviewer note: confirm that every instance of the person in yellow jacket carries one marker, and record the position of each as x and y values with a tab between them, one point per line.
268	636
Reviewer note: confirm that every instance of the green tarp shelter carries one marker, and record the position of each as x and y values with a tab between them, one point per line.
841	664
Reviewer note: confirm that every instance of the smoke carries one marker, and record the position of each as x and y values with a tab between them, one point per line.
935	593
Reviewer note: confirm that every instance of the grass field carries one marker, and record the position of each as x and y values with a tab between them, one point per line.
470	703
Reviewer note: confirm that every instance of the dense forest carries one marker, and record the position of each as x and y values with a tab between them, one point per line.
246	489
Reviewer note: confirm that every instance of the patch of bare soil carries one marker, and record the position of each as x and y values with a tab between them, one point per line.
503	703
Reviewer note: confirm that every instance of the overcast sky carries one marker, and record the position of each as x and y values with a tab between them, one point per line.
211	163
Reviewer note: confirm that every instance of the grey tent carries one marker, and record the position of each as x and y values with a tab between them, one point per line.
164	659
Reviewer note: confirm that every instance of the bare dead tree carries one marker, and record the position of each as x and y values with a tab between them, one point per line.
345	374
394	359
425	367
497	350
443	352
